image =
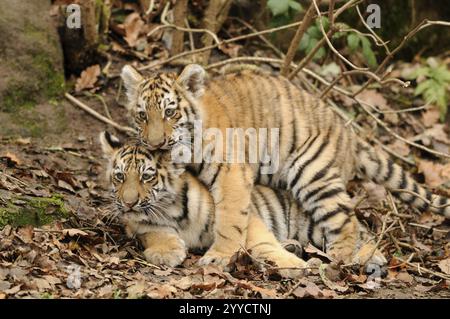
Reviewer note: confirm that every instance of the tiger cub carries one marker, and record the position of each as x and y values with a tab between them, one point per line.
316	153
172	211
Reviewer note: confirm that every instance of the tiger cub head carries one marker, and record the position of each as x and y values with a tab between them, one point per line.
144	182
160	104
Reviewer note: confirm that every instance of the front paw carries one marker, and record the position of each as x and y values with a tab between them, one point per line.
213	256
290	266
373	260
169	255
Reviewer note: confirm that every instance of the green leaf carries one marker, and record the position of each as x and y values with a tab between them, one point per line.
295	6
368	54
314	32
304	43
353	41
320	54
278	7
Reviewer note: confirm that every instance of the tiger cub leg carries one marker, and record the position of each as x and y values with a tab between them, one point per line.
330	224
163	246
231	192
263	245
368	254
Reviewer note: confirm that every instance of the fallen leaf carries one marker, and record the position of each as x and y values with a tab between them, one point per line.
330	284
133	25
88	78
72	232
444	265
23	141
136	290
430	116
376	193
405	277
377	99
13	159
64	185
435	174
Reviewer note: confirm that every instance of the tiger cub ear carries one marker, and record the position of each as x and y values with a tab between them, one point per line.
131	80
110	144
192	79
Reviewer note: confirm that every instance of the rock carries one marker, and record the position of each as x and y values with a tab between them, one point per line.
31	64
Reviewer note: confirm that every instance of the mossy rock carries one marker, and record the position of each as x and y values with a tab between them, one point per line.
31	64
36	211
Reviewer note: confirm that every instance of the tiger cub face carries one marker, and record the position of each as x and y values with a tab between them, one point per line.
144	182
160	111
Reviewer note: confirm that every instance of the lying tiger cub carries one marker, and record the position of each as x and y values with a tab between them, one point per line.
171	211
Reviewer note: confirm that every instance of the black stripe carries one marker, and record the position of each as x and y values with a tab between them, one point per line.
274	221
310	194
219	167
327	216
330	193
239	230
426	205
184	203
390	166
404	181
312	159
222	235
339	229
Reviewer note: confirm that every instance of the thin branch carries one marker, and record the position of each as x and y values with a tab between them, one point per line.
378	40
98	115
306	21
167	24
424	24
330	45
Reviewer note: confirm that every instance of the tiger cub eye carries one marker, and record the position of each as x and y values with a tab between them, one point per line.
169	112
142	115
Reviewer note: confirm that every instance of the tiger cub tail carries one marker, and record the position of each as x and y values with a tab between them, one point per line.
384	171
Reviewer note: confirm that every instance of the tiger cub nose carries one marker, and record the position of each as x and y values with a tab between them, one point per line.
130	204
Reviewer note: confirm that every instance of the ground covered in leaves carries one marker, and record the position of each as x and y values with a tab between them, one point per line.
57	237
83	253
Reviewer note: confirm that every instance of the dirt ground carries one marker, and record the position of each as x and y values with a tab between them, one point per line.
85	254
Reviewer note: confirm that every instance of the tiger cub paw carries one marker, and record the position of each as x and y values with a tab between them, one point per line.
171	254
293	246
373	259
214	256
290	266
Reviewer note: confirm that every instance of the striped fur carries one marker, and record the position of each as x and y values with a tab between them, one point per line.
177	206
318	154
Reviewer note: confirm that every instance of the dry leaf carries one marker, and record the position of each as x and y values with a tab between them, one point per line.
377	99
72	232
444	265
88	78
12	158
430	116
405	277
132	25
435	174
136	290
65	186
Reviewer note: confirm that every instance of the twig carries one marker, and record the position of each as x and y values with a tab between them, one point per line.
369	74
97	115
105	106
423	269
378	40
191	37
424	24
428	227
420	197
167	24
330	45
262	37
311	54
306	21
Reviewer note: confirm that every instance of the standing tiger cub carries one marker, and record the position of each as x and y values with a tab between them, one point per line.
170	211
316	154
